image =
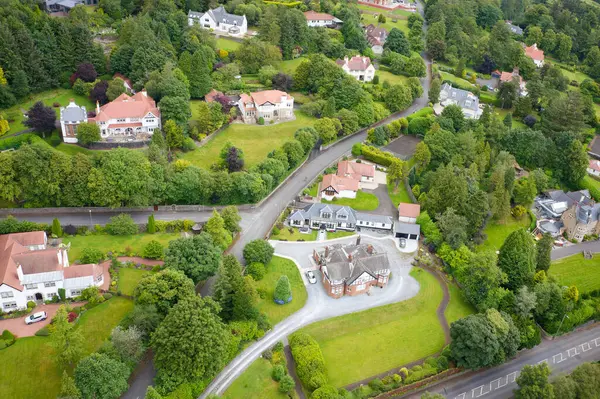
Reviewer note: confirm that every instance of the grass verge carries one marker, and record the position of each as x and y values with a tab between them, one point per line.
577	271
294	235
255	383
398	195
458	307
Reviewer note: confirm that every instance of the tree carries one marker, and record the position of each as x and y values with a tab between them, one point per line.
454	113
68	389
41	118
175	108
328	129
397	42
525	301
294	151
235	294
91	255
88	133
199	74
517	259
98	93
232	219
152	394
174	134
415	66
151	226
508	94
587	379
533	383
283	289
122	225
422	156
116	87
397	171
56	229
4	126
65	339
128	344
215	227
325	392
86	72
282	81
574	163
307	136
398	97
474	342
153	250
191	343
254	53
524	191
233	158
480	278
163	290
436	40
20	85
100	377
145	318
198	257
258	251
453	227
544	249
564	387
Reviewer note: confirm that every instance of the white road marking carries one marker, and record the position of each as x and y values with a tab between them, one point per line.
586	346
512	376
481	391
543	361
569	352
596	341
461	396
562	358
500	385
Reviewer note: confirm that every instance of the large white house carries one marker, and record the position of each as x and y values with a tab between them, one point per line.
335	217
271	105
31	271
70	117
360	67
467	101
219	20
318	19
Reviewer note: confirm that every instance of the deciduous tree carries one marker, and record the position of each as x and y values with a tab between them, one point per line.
533	383
98	376
88	133
198	257
163	290
41	118
65	339
258	251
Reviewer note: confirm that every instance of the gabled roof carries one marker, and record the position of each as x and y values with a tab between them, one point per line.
376	35
76	271
339	183
137	106
356	63
463	98
355	170
534	53
220	15
349	262
12	248
318	16
594	165
409	210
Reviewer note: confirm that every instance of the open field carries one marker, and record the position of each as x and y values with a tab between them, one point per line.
255	383
29	363
275	269
461	83
362	202
385	74
575	270
129	279
227	44
49	97
106	242
256	141
458	307
497	233
387	336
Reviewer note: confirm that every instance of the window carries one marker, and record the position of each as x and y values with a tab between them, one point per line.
10	305
99	278
121	120
75	292
31	286
7	294
30	297
326	215
50	284
51	295
150	120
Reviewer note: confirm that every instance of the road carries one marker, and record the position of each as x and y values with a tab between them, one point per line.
558	253
562	355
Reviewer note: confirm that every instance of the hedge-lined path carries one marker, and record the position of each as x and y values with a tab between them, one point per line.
291	368
18	327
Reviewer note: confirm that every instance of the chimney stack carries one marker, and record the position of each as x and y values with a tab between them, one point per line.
97	107
370	249
357	241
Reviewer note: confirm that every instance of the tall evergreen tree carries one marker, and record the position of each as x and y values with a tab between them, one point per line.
517	259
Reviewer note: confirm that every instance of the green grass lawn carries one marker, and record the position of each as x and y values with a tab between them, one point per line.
458	307
575	270
29	363
313	190
461	83
592	181
385	74
398	195
72	149
284	234
339	234
106	243
255	383
362	202
402	21
289	66
227	44
387	336
577	75
275	269
256	141
49	97
497	233
129	279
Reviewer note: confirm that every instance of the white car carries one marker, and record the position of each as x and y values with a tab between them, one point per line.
34	318
311	277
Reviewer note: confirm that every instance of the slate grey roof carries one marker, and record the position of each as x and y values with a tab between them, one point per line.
571	197
463	98
340	267
408	228
313	212
515	29
64	3
368	217
588	213
73	114
220	15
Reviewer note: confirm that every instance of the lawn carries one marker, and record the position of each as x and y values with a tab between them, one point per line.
577	75
399	195
458	307
227	44
255	383
387	336
129	279
49	97
29	363
362	202
289	66
461	83
575	270
497	233
402	22
295	235
385	74
275	269
106	243
72	149
256	141
339	234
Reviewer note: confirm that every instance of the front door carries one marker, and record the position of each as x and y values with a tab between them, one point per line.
39	297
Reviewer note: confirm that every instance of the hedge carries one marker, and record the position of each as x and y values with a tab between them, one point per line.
17	141
378	156
173	226
420	113
587	184
6	339
11	225
310	363
420	125
489	98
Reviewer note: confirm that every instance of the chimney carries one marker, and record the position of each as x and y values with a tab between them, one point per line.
59	254
144	93
326	252
370	249
72	101
358	241
97	107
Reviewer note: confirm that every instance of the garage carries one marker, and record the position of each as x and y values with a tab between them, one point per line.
408	231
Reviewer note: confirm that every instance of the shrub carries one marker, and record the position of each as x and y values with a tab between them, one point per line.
287	384
357	149
107	296
283	290
256	270
246	330
278	372
72	316
43	332
268	354
376	385
442	363
8	337
275	231
419	125
188	145
91	255
61	294
258	251
309	360
31	304
278	347
378	156
122	225
92	295
153	250
151	226
261	121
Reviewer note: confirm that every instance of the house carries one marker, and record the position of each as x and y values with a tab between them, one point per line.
360	67
466	100
363	172
317	19
271	105
211	95
376	37
128	117
554	203
32	271
581	220
496	74
594	167
408	213
219	21
334	186
352	269
336	217
514	28
506	77
535	54
70	117
378	3
126	83
66	5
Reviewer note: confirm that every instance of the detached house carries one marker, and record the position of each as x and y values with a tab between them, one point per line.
70	118
335	217
581	220
360	67
362	172
594	167
219	20
271	105
338	187
352	269
506	77
30	271
514	28
376	37
317	19
535	54
467	101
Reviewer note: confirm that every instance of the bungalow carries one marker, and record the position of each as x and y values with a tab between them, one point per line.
535	54
219	21
352	269
336	217
271	105
467	101
376	37
359	67
594	167
334	186
408	213
317	19
358	171
506	77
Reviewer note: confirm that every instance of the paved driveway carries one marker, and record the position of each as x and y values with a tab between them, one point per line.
386	206
20	329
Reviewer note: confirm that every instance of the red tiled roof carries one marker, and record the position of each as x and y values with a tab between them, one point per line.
534	53
125	106
13	246
271	96
595	165
210	97
409	210
125	125
42	261
75	271
339	183
317	16
356	63
355	169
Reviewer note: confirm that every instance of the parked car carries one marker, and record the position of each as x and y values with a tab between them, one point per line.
311	277
34	318
403	243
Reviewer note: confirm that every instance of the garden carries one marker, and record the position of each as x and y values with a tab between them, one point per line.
129	279
578	271
363	201
497	232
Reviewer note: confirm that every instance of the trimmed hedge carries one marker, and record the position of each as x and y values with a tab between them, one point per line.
173	226
11	225
376	155
594	192
310	363
420	113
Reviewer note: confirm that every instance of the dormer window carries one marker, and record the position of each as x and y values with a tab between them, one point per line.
326	215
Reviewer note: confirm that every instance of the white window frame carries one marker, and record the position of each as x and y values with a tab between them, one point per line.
50	284
7	294
9	305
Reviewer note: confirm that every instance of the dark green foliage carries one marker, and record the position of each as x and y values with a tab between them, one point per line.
544	249
325	392
286	384
56	229
100	377
41	118
198	257
122	225
61	294
258	251
310	364
397	42
234	293
533	383
143	317
91	255
474	342
151	226
162	290
283	289
278	372
517	259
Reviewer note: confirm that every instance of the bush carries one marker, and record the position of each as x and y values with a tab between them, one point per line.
310	363
153	250
261	121
61	294
283	290
43	332
287	384
188	145
357	149
8	337
72	316
258	251
419	125
278	372
275	231
256	270
31	304
378	156
91	255
376	385
107	295
92	295
122	225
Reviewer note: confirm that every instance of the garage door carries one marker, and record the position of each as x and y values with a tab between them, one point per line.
413	236
402	235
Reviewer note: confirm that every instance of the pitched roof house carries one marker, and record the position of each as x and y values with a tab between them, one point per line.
556	202
271	105
408	213
594	167
336	217
376	37
506	77
535	54
358	171
338	186
514	28
581	220
318	19
219	20
360	67
467	101
31	271
70	117
352	269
